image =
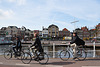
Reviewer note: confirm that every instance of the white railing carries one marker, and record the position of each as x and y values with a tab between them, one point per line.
94	50
54	49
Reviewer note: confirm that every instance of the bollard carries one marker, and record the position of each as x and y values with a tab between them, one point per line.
53	50
94	49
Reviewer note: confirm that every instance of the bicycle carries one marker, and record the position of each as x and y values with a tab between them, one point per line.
8	54
65	54
34	54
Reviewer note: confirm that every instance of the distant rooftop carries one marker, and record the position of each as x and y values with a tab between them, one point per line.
53	25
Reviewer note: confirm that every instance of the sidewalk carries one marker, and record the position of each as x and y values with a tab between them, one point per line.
51	63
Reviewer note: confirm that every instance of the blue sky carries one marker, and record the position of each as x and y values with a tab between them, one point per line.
33	14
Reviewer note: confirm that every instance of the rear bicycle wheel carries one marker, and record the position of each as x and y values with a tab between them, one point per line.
26	58
43	58
64	55
8	54
19	55
81	54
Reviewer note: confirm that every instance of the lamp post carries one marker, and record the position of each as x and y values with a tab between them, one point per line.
74	23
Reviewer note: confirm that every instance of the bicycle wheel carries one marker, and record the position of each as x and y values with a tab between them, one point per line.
19	55
81	55
43	58
7	54
26	58
64	55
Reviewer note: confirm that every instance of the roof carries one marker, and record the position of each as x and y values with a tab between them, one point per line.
65	29
77	29
53	25
83	28
3	28
13	27
92	29
98	25
45	28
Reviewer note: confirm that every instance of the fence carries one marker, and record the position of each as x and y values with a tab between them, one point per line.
53	52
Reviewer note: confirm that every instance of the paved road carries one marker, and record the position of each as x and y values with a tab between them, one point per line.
52	63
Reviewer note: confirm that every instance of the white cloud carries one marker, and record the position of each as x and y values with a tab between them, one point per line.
6	14
21	2
18	2
11	0
83	9
88	10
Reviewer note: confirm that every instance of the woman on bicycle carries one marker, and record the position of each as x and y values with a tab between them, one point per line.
37	44
76	41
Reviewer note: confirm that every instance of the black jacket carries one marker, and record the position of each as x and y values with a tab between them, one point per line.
77	41
37	44
18	44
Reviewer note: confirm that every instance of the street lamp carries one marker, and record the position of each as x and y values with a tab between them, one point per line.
74	23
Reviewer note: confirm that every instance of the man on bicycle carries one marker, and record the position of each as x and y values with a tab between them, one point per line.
17	47
75	42
37	44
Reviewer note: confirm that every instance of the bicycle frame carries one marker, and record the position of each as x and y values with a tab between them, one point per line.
70	49
33	52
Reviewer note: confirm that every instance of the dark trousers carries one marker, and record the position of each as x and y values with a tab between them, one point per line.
16	49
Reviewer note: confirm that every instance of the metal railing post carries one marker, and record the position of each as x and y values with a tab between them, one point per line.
94	49
53	50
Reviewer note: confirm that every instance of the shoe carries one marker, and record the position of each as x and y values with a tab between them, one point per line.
36	59
74	58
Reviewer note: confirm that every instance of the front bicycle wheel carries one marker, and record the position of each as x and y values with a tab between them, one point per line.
64	55
26	58
43	58
81	54
7	54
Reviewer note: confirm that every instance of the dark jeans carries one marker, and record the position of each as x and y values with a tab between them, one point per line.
16	49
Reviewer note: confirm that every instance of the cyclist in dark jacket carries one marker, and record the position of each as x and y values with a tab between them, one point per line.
18	46
37	47
76	41
37	43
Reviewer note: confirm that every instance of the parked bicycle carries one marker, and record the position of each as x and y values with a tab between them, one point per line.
66	54
9	53
34	54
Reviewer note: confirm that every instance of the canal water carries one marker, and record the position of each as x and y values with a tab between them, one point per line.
49	51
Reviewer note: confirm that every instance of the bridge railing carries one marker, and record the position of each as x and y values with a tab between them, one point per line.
54	53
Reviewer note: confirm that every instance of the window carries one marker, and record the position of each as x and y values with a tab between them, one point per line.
53	30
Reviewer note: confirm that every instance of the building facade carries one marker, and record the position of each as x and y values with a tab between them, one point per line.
92	33
79	32
44	32
12	30
86	33
98	30
40	33
53	31
64	32
36	31
3	32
